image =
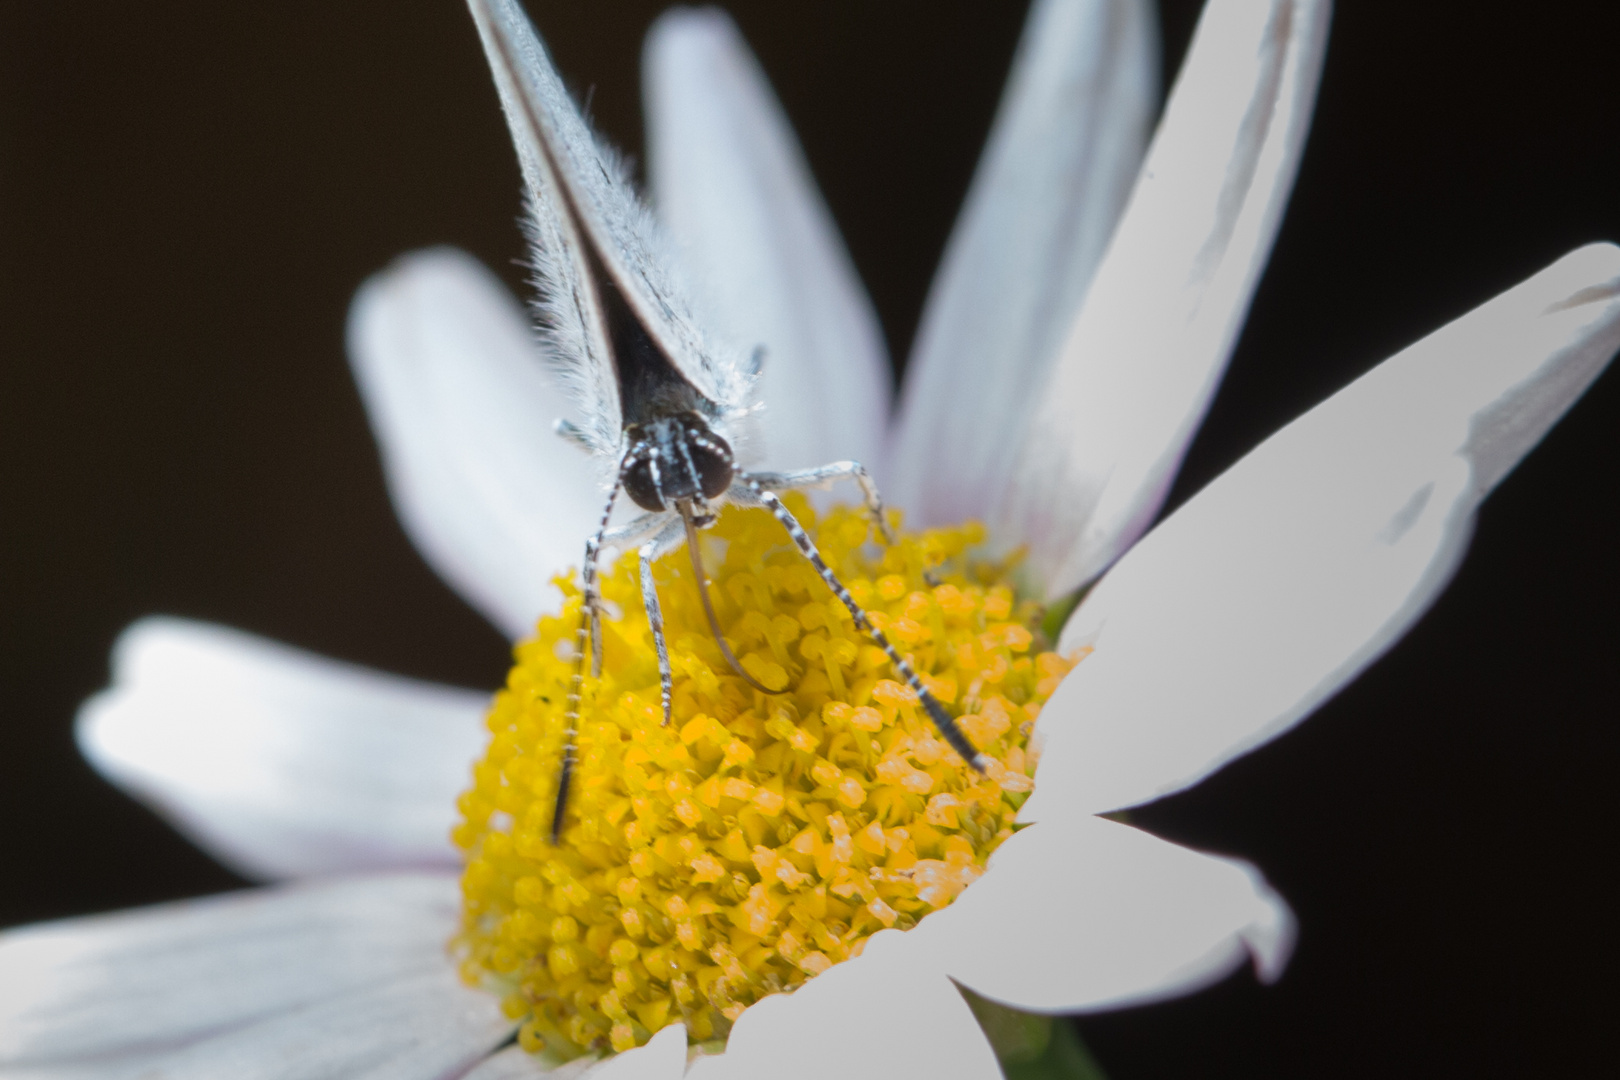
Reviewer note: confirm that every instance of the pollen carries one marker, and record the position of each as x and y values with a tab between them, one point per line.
757	839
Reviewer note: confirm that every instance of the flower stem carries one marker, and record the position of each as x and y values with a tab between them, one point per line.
1033	1047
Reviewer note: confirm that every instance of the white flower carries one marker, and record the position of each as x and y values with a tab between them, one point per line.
1075	336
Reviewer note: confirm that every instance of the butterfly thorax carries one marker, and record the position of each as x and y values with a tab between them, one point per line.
674	459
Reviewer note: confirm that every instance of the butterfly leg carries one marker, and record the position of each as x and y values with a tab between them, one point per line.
668	539
824	477
589	631
633	531
947	726
636	529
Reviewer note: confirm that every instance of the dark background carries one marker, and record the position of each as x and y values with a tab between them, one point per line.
190	192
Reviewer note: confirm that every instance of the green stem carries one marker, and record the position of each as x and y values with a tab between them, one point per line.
1033	1047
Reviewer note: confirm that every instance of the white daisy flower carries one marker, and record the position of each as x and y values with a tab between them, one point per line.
1077	330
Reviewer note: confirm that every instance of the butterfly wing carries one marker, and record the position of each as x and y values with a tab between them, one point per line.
592	238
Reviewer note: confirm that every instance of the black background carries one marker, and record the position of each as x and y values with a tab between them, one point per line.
190	192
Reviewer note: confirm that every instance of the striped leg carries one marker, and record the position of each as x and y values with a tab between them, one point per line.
589	632
824	477
636	529
631	532
936	712
668	539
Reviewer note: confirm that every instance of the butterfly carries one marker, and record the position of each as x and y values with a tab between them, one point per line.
660	402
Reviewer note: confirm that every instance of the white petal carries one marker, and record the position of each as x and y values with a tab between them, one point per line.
425	1027
1083	915
663	1058
1279	582
881	1015
452	381
114	1067
278	762
1143	358
732	188
1049	189
158	979
515	1063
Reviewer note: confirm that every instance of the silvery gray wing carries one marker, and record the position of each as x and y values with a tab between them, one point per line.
606	294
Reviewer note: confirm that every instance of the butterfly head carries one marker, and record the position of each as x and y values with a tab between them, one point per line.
675	459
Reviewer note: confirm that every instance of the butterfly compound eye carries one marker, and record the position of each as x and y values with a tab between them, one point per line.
711	457
642	488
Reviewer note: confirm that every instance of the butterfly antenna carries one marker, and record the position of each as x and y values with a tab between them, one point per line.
685	507
953	734
588	632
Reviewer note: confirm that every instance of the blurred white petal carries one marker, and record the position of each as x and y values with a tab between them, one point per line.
425	1027
880	1016
112	1067
463	412
1084	914
1140	363
663	1058
1054	176
278	762
155	980
515	1063
731	186
1278	583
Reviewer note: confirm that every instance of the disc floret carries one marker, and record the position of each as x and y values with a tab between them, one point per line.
757	839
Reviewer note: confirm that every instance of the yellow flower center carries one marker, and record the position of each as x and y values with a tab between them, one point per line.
757	839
